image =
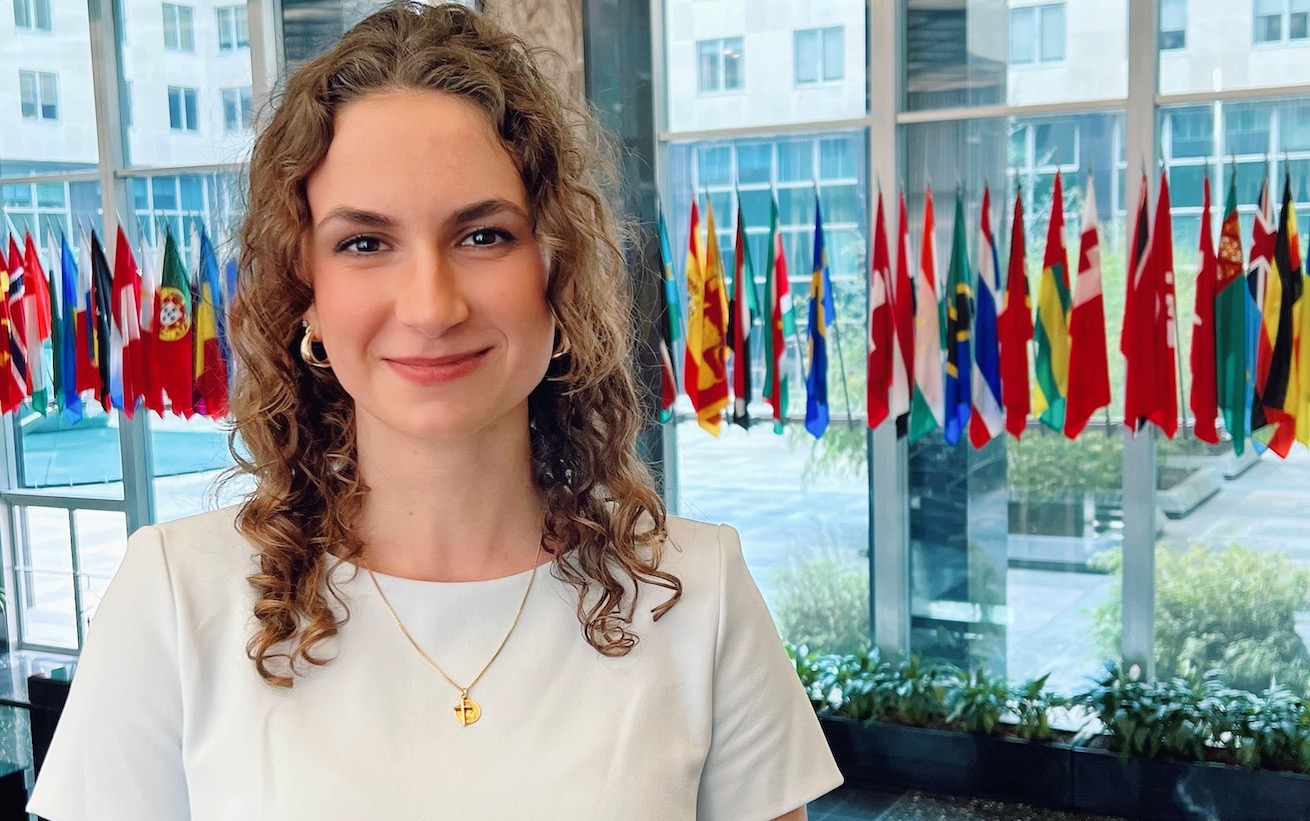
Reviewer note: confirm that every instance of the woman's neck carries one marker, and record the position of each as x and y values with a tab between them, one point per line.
461	510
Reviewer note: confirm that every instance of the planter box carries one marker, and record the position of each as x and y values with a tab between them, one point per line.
1166	789
944	761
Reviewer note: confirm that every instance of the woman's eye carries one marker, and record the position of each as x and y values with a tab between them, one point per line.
486	237
360	245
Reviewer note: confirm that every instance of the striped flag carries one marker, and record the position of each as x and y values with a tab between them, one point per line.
987	420
102	289
695	310
903	322
959	297
1052	328
1230	325
1263	233
1277	393
782	324
36	311
742	310
1204	395
19	383
671	328
882	334
86	371
822	314
70	398
1089	368
1016	330
928	407
127	322
152	392
175	342
211	366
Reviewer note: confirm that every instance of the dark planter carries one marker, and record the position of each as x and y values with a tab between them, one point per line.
1166	789
944	761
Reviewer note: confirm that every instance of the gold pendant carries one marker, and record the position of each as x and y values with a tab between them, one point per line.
467	711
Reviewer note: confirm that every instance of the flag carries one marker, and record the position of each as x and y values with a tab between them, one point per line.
1151	384
1016	329
151	391
1089	368
1165	326
695	310
36	312
11	392
987	418
1263	233
19	382
1277	394
902	322
670	331
959	296
1052	328
174	347
69	399
782	324
928	407
882	334
741	319
822	314
210	366
86	375
1230	325
57	325
1204	398
127	322
102	287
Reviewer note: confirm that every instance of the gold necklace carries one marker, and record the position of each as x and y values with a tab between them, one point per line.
467	710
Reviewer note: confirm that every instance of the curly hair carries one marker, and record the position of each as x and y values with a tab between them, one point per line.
294	426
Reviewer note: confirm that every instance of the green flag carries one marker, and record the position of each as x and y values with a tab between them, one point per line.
780	324
1230	324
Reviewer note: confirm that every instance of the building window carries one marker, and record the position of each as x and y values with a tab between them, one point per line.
32	14
820	55
183	114
179	34
237	109
1173	24
1280	20
39	92
233	28
719	65
1037	34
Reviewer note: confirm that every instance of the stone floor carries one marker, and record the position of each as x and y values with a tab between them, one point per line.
854	803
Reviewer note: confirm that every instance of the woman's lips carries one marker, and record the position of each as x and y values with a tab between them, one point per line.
436	370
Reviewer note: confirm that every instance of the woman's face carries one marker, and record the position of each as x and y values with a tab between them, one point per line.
429	285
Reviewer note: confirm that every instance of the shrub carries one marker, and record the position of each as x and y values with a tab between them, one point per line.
1232	609
821	600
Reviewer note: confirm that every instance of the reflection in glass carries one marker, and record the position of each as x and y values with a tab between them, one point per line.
1217	57
44	568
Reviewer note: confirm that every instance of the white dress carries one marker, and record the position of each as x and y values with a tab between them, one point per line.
168	720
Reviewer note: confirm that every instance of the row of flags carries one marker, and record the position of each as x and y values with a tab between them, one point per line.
954	353
127	337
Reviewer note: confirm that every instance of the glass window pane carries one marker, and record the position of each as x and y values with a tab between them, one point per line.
174	107
837	158
49	96
841	203
807	56
715	165
192	115
1192	132
1173	14
1023	35
834	53
243	27
165	193
1215	59
1052	19
732	63
708	64
28	92
45	577
50	195
193	196
186	35
1247	127
754	163
1297	24
795	161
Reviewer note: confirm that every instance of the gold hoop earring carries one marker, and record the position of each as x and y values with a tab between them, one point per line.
308	351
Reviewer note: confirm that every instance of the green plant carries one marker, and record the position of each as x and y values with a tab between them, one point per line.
977	701
1271	728
920	691
821	600
1031	703
1045	462
1232	609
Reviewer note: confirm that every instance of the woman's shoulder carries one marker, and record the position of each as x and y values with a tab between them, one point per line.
205	548
698	551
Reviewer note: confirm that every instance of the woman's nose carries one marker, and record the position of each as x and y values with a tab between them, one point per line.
432	300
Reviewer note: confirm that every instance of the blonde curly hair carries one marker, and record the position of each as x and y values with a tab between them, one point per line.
295	426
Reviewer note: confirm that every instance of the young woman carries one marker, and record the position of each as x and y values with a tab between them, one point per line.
453	592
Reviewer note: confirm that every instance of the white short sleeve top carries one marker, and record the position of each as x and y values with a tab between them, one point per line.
168	719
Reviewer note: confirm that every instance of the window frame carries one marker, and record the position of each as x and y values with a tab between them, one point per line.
182	45
820	66
39	103
1283	19
32	11
232	22
719	47
1039	12
242	98
1167	35
188	116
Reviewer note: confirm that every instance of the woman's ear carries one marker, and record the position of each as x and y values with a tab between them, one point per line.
311	316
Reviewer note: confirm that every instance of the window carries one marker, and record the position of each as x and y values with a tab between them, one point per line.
237	110
233	28
1037	34
179	35
1173	24
32	14
39	93
719	65
1279	20
820	55
182	110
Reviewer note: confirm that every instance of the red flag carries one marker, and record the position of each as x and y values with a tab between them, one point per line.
151	381
902	321
1164	328
19	382
882	335
1089	370
1204	400
1016	330
7	383
1151	383
695	310
87	376
36	310
174	346
127	321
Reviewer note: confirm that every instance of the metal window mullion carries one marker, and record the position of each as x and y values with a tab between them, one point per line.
1137	645
75	555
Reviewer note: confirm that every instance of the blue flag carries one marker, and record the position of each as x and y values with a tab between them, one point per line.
822	313
67	353
959	303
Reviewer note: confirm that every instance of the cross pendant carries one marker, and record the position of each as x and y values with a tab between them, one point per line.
467	711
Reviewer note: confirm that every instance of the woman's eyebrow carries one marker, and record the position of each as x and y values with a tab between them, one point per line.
356	216
483	209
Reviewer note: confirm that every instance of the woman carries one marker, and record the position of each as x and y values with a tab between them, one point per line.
453	593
